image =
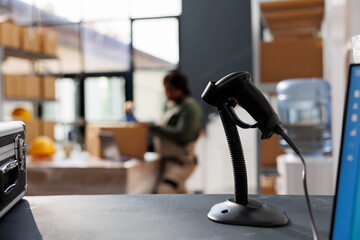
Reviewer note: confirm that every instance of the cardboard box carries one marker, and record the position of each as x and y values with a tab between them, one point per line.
131	138
14	86
21	85
48	42
300	18
9	34
269	150
47	128
10	86
293	58
32	129
30	39
32	87
5	38
28	86
267	184
48	87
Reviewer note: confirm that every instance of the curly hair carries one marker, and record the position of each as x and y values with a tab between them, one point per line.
178	80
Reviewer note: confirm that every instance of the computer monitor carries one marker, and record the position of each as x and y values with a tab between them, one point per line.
346	212
109	148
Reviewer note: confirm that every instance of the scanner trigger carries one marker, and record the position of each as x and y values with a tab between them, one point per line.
229	107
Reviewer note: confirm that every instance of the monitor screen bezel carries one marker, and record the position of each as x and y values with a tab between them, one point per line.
351	66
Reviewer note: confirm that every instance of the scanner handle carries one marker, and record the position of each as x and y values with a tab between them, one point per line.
238	86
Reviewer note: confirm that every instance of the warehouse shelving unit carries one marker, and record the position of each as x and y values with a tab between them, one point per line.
282	19
18	53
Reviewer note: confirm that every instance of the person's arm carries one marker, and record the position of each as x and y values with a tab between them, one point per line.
185	128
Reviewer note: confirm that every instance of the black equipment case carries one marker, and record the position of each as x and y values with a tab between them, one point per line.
12	164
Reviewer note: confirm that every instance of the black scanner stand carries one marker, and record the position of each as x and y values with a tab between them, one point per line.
240	210
237	88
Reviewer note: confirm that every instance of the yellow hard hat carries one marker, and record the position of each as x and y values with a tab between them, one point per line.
42	146
21	114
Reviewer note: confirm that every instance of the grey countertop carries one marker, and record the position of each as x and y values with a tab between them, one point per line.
153	217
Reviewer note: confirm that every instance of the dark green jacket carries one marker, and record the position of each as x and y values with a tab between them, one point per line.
184	126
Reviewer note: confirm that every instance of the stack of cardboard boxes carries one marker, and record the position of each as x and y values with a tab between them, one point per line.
48	42
131	138
29	87
38	40
30	39
32	87
296	51
9	34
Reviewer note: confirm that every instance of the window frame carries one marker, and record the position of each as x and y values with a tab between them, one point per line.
82	75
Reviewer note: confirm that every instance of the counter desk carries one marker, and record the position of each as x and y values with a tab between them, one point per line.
85	174
153	217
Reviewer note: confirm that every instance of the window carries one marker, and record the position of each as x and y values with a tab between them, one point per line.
110	10
104	57
156	43
69	50
106	46
156	51
64	109
154	8
58	11
21	11
104	99
149	97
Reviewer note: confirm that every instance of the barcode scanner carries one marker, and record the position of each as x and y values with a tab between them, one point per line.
225	94
237	88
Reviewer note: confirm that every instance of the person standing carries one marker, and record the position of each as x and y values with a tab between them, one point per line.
176	135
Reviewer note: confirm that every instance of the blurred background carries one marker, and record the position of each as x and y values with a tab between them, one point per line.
69	67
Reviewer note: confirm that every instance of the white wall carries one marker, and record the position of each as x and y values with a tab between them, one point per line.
354	17
335	66
215	173
342	21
